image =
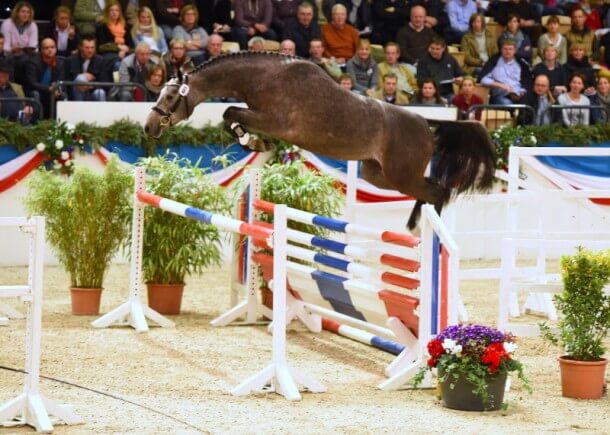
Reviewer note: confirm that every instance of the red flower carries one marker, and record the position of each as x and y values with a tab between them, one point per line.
435	348
432	362
493	356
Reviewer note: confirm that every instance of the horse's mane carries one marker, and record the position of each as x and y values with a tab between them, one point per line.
242	54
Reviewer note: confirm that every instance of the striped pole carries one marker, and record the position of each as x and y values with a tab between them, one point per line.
342	226
362	336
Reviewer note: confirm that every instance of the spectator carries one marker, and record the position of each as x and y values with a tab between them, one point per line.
466	98
214	48
155	80
7	59
428	94
601	98
340	38
12	110
507	76
553	38
195	37
593	18
284	11
513	31
316	55
256	43
363	68
346	81
459	12
579	63
215	16
288	48
414	38
86	66
167	14
65	34
389	91
436	16
87	13
252	18
41	74
177	59
302	29
605	44
134	69
145	29
20	31
407	84
529	18
552	70
574	97
441	67
388	17
358	13
540	99
547	7
479	45
579	33
113	36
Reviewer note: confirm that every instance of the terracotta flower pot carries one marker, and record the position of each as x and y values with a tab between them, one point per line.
582	379
461	396
85	301
165	298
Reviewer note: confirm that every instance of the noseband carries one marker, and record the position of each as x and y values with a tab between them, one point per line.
183	91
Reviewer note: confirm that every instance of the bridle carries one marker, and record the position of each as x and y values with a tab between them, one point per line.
183	91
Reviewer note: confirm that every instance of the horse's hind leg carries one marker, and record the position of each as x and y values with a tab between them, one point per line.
238	120
429	191
372	172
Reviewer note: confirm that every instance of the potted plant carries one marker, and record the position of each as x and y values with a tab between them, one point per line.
585	323
472	363
87	219
174	246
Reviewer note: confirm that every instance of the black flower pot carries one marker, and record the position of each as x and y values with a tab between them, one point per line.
461	396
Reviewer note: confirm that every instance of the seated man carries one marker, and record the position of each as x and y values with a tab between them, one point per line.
12	110
414	38
134	69
389	92
579	33
507	76
86	66
252	18
340	38
441	67
302	29
459	12
316	55
539	99
287	47
407	84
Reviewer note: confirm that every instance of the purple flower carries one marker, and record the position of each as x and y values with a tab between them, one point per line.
472	335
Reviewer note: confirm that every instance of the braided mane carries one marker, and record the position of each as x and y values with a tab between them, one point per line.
239	54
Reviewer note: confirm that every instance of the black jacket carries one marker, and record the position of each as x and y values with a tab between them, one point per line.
34	70
301	36
72	43
526	117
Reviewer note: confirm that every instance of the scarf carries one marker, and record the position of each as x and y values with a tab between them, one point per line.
118	31
146	30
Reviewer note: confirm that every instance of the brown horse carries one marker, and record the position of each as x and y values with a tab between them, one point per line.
295	100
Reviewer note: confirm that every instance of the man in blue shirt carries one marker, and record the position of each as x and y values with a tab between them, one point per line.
507	76
459	12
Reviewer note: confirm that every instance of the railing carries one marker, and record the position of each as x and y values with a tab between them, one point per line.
506	109
554	108
27	102
69	84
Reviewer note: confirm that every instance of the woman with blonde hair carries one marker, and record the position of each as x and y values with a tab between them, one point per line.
479	44
146	30
551	68
113	36
20	31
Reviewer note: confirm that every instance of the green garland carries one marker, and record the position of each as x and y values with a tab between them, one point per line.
131	133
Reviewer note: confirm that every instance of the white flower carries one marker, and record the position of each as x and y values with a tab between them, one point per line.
68	162
457	349
80	141
509	347
70	127
56	164
449	344
65	155
40	146
533	139
59	144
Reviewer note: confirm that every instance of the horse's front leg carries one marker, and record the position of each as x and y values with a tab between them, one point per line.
238	121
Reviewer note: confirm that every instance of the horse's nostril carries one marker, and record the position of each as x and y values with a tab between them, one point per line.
146	128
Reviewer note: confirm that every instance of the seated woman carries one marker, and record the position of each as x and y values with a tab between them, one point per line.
155	80
513	31
195	37
363	68
20	31
479	44
466	99
552	69
555	39
428	94
113	36
176	59
575	97
601	98
146	30
578	62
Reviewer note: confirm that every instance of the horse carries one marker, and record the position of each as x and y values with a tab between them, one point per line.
295	100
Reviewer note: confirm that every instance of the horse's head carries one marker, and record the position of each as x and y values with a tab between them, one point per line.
175	103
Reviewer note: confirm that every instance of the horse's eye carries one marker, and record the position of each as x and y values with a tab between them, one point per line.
170	97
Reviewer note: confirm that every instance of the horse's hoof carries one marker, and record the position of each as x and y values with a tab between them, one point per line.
416	231
257	144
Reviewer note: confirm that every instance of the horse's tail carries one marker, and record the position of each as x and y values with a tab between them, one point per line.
464	161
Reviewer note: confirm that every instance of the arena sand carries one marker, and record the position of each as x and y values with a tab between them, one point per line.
186	372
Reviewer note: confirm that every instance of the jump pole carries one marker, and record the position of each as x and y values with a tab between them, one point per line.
31	407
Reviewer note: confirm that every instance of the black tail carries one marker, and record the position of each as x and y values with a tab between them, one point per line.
464	161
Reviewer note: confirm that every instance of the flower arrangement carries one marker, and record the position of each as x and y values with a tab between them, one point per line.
58	148
474	353
507	136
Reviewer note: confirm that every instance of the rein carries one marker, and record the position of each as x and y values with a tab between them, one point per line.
183	91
